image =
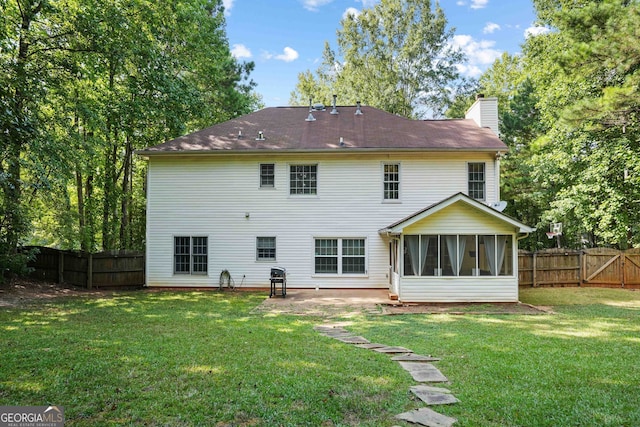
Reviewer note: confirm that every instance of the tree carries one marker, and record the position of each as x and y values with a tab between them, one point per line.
395	56
85	83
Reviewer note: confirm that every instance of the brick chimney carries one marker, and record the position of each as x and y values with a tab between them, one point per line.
484	112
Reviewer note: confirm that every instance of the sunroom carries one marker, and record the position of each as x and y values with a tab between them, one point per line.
458	250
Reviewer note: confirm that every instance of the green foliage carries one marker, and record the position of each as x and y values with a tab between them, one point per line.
395	56
86	84
569	111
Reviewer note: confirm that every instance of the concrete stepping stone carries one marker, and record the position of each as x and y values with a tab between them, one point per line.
391	350
412	357
353	340
371	346
427	417
424	372
431	397
431	388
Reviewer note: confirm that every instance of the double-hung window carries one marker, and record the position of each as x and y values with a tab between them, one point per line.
391	181
340	256
477	182
265	248
267	175
303	179
190	255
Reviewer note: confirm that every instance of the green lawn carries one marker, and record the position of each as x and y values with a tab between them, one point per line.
203	358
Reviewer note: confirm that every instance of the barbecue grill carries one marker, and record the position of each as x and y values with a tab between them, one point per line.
278	276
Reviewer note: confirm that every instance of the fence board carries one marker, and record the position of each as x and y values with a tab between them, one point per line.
597	267
105	269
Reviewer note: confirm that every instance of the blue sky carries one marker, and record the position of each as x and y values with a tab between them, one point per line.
286	37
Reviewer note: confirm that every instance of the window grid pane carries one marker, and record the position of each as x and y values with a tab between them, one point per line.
182	246
266	248
353	259
303	179
476	181
326	256
391	181
199	254
267	175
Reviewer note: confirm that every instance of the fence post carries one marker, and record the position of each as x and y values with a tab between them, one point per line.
90	271
535	257
580	267
60	267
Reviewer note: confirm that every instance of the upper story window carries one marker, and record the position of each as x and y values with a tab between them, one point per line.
303	179
391	181
477	180
267	175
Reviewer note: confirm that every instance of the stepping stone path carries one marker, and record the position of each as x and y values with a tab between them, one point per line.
420	369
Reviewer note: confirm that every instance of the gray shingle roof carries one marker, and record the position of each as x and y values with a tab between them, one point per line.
286	129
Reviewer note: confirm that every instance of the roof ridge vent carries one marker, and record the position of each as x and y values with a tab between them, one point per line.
358	110
334	110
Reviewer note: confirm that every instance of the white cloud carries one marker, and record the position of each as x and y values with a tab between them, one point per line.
228	4
535	31
490	28
461	3
479	4
479	54
314	5
240	51
288	55
351	11
368	3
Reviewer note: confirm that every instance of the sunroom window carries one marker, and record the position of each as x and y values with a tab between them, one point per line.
458	255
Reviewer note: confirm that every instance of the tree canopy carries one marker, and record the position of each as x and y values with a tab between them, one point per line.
396	56
569	109
84	84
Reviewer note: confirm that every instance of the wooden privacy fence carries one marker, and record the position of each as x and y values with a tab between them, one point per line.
598	267
122	269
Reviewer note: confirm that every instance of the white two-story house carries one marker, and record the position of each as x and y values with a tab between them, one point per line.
342	197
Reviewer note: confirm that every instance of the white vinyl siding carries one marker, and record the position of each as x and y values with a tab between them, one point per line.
186	198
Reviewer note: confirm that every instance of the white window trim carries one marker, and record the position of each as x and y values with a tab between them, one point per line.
173	255
266	187
514	257
484	191
267	260
399	199
303	196
339	273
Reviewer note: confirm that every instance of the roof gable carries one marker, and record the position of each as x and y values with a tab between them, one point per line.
286	129
399	226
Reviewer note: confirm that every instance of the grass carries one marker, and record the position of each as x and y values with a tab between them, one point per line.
203	358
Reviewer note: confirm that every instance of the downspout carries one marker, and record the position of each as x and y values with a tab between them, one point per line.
496	172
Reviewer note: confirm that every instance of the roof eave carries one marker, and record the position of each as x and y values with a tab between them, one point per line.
149	153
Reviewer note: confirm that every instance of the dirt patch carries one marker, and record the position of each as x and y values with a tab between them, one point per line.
466	308
24	292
